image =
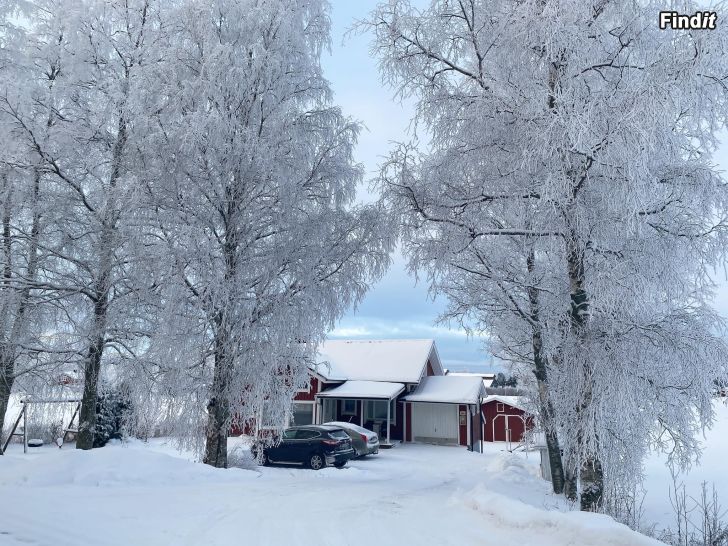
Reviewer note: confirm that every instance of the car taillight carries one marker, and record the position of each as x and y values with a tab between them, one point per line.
364	437
331	442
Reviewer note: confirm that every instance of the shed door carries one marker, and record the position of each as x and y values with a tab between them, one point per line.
435	423
503	423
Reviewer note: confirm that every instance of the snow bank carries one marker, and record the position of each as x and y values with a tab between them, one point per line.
113	467
146	494
513	519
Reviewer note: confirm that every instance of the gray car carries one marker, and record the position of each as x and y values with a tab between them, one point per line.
364	441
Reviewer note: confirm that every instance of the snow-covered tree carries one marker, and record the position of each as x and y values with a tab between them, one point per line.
575	135
90	147
254	195
24	301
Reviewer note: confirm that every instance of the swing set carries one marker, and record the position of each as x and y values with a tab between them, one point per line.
27	402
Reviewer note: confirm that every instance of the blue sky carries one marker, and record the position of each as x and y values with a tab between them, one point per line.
398	306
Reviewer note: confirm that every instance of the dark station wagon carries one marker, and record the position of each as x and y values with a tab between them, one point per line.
315	446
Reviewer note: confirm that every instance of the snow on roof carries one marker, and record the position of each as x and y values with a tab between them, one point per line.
472	374
450	389
513	401
364	389
488	378
398	360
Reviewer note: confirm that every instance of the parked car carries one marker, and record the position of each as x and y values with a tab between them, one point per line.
314	446
364	441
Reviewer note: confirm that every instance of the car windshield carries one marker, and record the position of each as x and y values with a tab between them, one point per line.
339	434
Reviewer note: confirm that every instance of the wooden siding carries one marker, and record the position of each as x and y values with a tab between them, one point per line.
496	422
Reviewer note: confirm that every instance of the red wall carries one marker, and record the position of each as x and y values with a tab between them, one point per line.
517	419
313	389
409	422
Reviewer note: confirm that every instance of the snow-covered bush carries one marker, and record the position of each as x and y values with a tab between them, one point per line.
112	409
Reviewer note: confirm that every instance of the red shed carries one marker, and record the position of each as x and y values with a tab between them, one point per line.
506	418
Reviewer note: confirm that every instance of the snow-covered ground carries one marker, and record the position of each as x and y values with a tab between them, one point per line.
139	494
712	468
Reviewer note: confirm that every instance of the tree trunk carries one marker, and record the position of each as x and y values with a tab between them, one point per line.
571	491
8	354
541	373
592	485
95	352
102	290
87	414
591	475
6	387
218	408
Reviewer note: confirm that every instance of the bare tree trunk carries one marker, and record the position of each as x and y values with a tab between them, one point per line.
592	485
8	353
218	408
87	414
540	371
102	290
571	491
591	475
6	387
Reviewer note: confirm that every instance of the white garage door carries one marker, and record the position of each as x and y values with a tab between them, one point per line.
436	423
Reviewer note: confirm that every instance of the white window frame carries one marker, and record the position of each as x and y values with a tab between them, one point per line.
500	407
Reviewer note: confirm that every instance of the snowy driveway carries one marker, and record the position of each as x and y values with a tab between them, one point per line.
138	494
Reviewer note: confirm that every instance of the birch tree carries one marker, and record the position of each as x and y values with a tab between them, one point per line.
255	205
581	134
90	150
24	302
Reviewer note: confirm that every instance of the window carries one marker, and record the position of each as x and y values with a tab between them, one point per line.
302	414
289	434
338	435
500	407
377	410
348	407
307	434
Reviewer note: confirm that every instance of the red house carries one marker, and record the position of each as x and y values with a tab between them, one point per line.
396	388
506	418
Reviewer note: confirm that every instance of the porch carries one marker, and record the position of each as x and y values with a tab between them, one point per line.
370	404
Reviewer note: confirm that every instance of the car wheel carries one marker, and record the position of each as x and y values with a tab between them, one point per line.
340	465
317	461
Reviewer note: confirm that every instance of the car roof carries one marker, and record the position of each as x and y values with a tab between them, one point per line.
327	428
350	426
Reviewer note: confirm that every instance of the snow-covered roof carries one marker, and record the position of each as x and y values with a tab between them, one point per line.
449	389
488	378
364	389
398	360
513	401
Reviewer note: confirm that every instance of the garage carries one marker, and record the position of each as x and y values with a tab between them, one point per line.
445	410
435	423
